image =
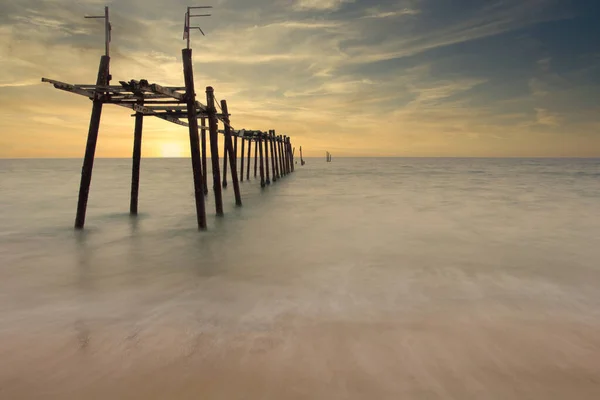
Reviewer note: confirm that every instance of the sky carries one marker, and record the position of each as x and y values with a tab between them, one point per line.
416	78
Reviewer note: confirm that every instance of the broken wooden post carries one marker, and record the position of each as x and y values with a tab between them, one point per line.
190	96
249	152
262	167
267	157
214	148
224	162
90	148
271	144
255	152
231	152
203	144
242	159
137	154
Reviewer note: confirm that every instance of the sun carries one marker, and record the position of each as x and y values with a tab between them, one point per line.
171	149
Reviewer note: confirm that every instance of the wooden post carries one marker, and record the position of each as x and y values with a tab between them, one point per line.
90	148
255	153
214	148
286	155
267	157
224	162
190	95
272	156
281	155
248	167
292	151
231	151
242	159
137	154
204	167
276	158
262	167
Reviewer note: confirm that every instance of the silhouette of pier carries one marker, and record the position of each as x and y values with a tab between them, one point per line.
179	105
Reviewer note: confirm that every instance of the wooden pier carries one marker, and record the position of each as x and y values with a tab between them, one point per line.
179	105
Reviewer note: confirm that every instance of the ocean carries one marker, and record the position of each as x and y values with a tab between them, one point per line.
363	278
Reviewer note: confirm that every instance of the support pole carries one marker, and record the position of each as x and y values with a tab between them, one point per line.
203	143
272	156
280	145
214	148
137	155
292	151
190	94
249	152
256	140
90	148
276	158
262	166
232	152
224	162
286	154
267	157
242	159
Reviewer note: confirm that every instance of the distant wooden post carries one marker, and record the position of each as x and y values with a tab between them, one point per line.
262	166
267	157
90	148
214	148
248	167
137	154
287	153
255	153
292	154
276	154
281	155
235	152
271	144
204	167
242	159
224	162
190	95
231	151
284	150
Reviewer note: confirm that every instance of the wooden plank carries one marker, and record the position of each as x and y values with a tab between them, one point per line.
67	87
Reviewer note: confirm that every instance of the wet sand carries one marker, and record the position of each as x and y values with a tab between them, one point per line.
468	356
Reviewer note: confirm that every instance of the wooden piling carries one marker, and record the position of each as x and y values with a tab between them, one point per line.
203	144
276	159
137	154
279	149
232	152
224	162
282	146
292	154
262	167
90	148
214	148
242	159
267	157
284	150
255	154
271	144
248	157
190	95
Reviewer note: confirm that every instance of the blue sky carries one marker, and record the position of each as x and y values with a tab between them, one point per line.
392	78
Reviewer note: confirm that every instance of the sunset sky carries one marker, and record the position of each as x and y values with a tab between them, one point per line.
355	77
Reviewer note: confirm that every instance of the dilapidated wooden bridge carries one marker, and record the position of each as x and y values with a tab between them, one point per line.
180	106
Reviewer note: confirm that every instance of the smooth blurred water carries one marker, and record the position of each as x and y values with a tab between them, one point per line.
360	278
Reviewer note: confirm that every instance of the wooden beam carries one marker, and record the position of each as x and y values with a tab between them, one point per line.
90	148
188	74
214	149
136	158
232	152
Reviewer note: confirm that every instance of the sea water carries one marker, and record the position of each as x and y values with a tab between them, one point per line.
363	278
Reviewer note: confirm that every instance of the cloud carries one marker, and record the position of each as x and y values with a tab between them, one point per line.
320	5
545	117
